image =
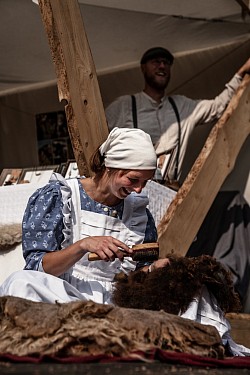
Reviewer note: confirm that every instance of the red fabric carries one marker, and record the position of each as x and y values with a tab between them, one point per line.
155	354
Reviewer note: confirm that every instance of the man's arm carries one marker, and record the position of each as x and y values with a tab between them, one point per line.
206	111
245	69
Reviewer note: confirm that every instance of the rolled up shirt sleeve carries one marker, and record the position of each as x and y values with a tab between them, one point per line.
206	111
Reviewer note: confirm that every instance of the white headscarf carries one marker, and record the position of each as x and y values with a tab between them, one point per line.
127	148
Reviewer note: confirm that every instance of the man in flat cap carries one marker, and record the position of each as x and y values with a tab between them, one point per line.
169	121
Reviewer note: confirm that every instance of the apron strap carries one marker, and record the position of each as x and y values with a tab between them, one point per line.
75	207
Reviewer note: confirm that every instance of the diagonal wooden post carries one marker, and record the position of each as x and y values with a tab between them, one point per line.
76	78
187	211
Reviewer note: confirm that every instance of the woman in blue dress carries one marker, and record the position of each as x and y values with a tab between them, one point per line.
105	214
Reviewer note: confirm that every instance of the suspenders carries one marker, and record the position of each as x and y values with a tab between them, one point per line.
172	102
134	112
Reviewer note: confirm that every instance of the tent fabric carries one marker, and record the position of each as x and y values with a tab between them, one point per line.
27	56
210	41
224	234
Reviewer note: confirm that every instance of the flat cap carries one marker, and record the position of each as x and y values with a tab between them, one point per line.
155	52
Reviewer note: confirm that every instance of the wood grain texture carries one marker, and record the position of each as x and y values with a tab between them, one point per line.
240	327
76	75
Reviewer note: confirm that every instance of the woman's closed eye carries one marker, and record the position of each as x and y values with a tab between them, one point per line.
136	182
133	180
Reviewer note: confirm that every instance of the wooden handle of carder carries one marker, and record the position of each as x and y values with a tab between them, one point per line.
140	247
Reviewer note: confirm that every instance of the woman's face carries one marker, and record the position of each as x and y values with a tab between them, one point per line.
124	182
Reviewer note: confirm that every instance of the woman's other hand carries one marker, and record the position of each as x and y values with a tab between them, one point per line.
160	263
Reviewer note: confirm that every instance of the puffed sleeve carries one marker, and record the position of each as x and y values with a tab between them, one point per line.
42	225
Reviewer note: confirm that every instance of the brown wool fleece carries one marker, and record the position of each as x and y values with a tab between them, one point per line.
173	287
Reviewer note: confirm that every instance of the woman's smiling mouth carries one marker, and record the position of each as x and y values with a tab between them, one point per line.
125	191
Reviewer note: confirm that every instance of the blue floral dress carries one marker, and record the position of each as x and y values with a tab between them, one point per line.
43	221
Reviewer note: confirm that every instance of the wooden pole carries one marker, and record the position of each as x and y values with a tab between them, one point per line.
187	211
76	78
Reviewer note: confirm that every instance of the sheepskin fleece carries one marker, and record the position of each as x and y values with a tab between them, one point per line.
85	328
10	235
173	288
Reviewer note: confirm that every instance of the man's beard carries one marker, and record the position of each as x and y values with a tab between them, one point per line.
154	83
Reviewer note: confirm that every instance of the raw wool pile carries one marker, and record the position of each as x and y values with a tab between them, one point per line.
174	287
85	328
10	235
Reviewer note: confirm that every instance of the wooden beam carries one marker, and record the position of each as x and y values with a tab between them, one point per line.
76	75
187	211
240	326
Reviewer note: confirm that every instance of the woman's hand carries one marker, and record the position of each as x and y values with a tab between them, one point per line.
245	68
160	263
106	247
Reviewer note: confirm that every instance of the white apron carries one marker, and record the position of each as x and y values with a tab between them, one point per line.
131	230
85	280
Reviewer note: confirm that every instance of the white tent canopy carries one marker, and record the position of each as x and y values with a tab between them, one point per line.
210	41
118	33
